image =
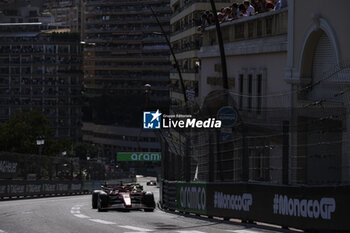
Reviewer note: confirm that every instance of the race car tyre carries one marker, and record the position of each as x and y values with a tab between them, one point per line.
102	202
148	200
94	198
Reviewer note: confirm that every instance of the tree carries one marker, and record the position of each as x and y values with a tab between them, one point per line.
83	149
19	134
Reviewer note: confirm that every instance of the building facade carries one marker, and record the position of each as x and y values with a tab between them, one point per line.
318	74
20	11
124	50
67	14
186	41
288	82
256	51
41	69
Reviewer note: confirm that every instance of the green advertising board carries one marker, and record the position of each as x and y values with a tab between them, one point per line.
139	156
191	197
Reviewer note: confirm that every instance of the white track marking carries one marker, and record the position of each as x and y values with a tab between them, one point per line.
190	231
136	231
75	211
244	231
81	216
139	229
102	221
2	231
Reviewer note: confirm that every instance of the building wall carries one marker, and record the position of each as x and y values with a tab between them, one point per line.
112	139
311	15
308	21
270	65
41	71
124	50
21	11
256	57
66	13
186	41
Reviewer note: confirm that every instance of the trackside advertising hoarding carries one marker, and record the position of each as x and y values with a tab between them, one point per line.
191	197
139	156
303	207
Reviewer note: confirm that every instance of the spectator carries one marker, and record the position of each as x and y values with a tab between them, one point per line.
249	8
280	4
211	19
227	14
253	3
235	6
234	11
242	11
260	6
220	17
269	6
203	21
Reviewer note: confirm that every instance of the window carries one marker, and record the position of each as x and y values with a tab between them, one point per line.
241	91
259	93
250	90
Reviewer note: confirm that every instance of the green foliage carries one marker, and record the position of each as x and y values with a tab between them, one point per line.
83	149
19	134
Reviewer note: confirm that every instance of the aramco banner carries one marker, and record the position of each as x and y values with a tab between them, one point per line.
139	156
192	197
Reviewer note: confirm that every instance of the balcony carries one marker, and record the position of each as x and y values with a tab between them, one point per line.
190	2
185	76
186	48
183	28
127	11
127	20
259	26
122	2
164	68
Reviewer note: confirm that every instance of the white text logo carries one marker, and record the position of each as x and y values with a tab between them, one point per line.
305	208
233	202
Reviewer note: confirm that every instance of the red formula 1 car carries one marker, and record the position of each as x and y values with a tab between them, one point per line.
123	197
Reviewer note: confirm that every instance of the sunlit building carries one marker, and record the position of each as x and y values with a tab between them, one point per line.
40	68
186	41
21	11
124	50
66	13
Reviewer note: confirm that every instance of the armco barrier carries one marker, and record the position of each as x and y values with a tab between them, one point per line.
18	188
22	188
323	208
169	195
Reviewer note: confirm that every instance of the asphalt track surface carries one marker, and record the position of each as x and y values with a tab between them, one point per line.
73	214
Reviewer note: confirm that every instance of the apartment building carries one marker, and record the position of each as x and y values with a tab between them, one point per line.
66	13
186	41
124	50
288	82
318	73
20	11
40	68
256	52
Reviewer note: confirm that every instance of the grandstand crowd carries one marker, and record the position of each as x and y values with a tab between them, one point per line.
245	9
